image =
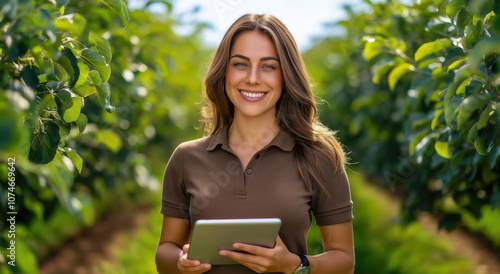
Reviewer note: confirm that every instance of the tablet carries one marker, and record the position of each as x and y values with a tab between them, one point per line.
210	236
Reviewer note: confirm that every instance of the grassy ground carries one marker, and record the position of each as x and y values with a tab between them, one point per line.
381	245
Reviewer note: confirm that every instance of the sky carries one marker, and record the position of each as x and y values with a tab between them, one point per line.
305	19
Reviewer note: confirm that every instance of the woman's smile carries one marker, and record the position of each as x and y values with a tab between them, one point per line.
252	96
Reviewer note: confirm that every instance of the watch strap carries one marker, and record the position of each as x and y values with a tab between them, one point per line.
303	259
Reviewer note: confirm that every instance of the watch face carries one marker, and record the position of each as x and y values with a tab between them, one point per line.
303	270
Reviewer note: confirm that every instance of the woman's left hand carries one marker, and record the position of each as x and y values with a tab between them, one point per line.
264	260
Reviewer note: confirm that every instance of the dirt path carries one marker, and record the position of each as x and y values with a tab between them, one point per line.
95	244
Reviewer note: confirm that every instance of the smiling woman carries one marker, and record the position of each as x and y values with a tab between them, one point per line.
266	156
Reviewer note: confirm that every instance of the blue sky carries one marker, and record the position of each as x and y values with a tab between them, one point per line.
306	20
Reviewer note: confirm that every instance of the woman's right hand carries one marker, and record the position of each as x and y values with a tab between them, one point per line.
186	265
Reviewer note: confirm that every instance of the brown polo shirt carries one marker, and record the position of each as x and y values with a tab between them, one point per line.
204	179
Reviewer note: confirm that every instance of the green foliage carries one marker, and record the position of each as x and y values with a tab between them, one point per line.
417	89
62	64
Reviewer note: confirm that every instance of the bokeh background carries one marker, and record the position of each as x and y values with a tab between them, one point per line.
96	94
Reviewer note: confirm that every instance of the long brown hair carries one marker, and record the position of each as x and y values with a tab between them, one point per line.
295	110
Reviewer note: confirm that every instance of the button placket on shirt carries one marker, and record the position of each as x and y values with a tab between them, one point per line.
248	171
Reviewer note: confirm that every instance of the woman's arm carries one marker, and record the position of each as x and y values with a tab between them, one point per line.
338	245
170	257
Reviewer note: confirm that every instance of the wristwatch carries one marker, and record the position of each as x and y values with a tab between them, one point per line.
304	267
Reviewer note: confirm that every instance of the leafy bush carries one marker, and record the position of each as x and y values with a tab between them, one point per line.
422	109
62	64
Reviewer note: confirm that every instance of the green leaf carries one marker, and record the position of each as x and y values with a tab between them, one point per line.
95	77
490	133
44	143
416	140
120	8
464	19
482	48
84	72
468	106
457	64
68	105
485	116
431	47
97	62
453	7
102	46
451	109
443	149
109	139
471	36
71	114
81	122
462	86
63	101
104	95
435	120
438	2
75	158
74	23
84	90
398	72
30	76
493	157
472	133
373	48
64	129
381	71
480	146
69	63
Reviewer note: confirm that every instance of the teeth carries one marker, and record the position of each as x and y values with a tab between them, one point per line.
253	95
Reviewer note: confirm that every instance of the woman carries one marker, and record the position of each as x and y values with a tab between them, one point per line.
266	155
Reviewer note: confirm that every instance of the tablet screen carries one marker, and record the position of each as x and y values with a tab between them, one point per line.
210	236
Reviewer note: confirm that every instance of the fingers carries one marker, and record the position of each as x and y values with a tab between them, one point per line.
256	263
241	258
186	265
253	249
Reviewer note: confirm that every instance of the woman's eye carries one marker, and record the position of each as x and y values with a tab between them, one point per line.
239	65
269	67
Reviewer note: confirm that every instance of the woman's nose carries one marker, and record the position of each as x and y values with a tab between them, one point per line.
253	76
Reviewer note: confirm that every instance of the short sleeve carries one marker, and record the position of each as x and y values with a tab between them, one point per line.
335	205
175	201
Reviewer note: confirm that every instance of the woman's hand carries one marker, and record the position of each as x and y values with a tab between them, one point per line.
264	260
186	265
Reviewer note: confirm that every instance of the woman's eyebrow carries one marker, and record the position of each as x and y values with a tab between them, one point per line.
261	59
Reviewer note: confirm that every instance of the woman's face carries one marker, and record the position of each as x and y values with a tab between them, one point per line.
254	79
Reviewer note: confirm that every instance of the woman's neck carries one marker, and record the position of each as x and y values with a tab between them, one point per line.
252	132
